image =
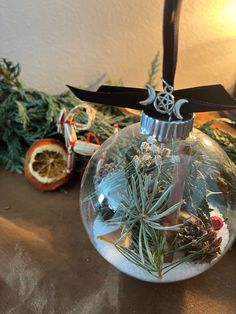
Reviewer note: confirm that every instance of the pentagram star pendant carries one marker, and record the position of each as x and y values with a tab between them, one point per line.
164	103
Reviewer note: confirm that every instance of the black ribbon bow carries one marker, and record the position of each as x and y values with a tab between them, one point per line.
200	99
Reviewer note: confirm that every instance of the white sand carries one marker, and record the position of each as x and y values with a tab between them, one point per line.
181	272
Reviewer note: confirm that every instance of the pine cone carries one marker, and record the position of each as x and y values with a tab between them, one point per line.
199	237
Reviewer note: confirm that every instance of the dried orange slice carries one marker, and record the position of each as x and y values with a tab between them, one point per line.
46	164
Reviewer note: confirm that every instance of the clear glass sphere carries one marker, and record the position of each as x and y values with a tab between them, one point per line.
160	212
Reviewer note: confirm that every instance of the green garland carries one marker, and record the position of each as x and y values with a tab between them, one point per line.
27	115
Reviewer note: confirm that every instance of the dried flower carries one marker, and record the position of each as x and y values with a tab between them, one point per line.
155	149
157	160
166	152
136	160
147	157
145	146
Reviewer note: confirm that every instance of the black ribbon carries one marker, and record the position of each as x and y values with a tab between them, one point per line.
170	39
200	99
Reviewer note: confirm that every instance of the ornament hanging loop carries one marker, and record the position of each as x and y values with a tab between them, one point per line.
167	88
170	39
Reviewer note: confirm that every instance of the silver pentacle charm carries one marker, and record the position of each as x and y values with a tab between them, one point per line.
164	102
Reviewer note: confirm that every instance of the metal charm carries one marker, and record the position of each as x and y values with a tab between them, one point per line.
164	102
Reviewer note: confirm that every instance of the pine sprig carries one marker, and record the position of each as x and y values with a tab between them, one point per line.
9	74
144	219
152	72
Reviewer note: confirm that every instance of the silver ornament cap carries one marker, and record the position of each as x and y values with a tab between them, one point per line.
165	131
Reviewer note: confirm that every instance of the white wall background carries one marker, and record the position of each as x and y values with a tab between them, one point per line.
76	41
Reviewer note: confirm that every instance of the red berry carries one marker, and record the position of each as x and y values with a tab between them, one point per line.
217	222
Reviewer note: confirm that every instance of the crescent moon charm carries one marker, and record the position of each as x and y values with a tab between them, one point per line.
177	107
151	96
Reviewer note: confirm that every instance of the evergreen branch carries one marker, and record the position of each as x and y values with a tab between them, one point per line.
36	116
152	72
143	219
22	114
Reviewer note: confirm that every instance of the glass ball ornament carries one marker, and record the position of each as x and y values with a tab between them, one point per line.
159	212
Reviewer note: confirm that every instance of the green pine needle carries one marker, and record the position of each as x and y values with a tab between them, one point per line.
152	72
22	114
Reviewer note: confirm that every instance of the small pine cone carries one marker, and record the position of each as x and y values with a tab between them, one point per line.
199	237
106	170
